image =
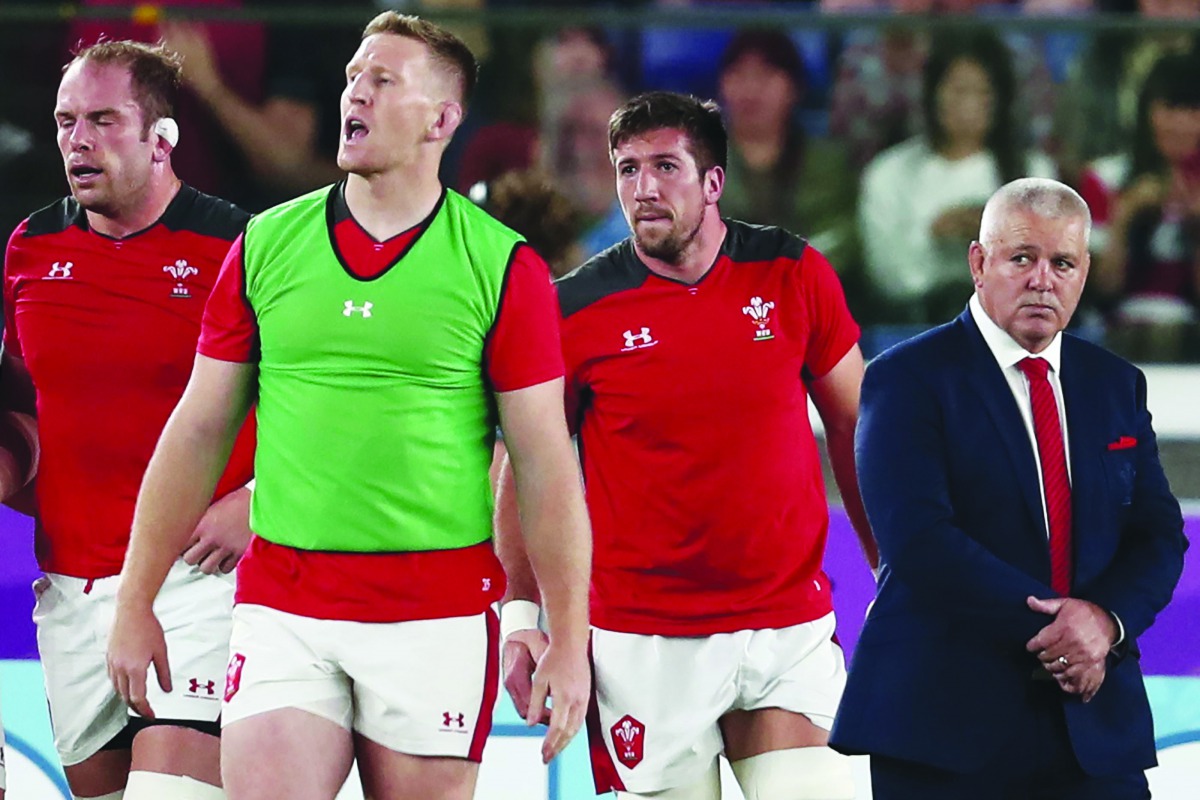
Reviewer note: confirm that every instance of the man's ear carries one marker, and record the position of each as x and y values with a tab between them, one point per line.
714	185
165	131
450	116
975	257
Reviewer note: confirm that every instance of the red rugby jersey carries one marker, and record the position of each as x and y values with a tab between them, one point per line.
703	478
108	328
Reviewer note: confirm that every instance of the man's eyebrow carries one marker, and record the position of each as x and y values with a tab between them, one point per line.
652	157
99	112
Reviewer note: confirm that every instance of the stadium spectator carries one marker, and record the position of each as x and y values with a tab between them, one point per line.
777	173
1149	270
876	97
1098	108
575	152
922	199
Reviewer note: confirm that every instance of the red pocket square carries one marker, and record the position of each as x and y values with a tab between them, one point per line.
1124	443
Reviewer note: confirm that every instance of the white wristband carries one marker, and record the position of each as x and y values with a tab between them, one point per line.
518	615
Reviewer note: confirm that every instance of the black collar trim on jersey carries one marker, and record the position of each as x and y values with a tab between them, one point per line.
337	210
711	267
175	216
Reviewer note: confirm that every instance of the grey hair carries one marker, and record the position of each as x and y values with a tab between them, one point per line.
1044	197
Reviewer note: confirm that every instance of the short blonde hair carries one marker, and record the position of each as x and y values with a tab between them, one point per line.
448	51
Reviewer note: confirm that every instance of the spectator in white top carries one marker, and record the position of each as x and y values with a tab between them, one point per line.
922	200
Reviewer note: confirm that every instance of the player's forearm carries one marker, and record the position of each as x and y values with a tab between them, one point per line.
510	541
560	552
559	546
18	453
840	444
176	492
12	474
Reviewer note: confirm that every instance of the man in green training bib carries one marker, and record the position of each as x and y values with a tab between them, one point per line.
383	326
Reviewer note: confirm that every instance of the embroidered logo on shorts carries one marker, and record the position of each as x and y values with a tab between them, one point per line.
205	690
454	723
628	737
233	675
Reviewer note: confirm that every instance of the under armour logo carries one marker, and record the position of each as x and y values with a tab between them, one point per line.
60	271
449	719
365	309
209	687
636	341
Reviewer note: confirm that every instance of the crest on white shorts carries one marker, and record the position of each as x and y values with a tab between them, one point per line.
233	675
628	737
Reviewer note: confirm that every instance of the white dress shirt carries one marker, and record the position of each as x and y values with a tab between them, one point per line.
1008	354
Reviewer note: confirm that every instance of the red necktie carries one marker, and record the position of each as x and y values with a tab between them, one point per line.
1048	429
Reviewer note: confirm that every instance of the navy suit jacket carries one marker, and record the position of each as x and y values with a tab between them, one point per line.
940	673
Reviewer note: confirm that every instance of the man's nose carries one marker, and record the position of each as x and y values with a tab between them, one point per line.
81	137
1041	276
645	186
358	91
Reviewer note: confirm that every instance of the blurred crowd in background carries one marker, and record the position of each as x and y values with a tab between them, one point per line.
877	143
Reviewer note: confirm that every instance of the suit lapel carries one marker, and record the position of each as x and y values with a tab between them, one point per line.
988	382
1083	422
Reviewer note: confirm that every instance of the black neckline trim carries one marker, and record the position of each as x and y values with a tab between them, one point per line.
337	200
173	216
711	267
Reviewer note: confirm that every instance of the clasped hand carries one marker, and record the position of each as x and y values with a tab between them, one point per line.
1074	647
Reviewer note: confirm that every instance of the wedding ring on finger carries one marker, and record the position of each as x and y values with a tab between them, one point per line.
1063	660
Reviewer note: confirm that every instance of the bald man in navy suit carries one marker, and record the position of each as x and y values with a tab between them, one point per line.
1028	537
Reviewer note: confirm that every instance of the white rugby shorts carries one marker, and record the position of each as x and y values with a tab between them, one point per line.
74	617
421	687
657	699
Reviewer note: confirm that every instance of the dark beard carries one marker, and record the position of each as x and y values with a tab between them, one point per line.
670	249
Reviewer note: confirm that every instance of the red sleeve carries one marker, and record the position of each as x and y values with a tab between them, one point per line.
831	329
525	346
229	331
12	343
574	387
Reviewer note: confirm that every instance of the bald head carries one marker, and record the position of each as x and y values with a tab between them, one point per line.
1043	197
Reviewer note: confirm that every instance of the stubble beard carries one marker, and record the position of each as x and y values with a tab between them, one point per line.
671	248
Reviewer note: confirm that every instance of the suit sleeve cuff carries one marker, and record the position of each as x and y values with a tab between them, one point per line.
1120	640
